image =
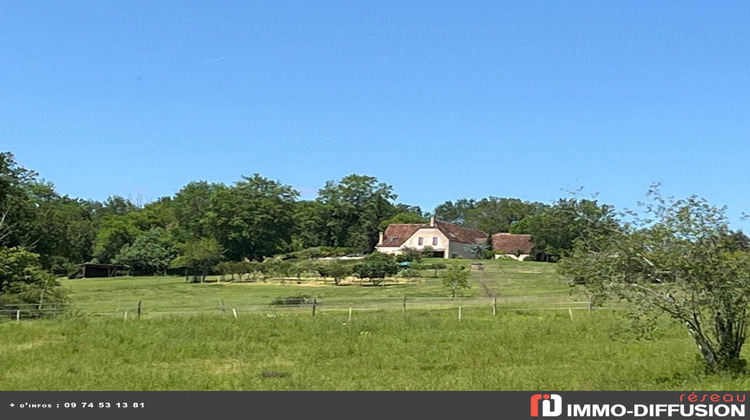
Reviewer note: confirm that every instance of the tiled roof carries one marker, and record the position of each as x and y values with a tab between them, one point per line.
396	234
510	243
467	236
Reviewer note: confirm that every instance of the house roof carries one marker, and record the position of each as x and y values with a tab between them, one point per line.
467	236
396	234
511	243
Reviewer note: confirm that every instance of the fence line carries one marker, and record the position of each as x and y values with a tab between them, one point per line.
315	306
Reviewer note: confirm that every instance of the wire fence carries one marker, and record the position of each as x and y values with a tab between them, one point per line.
318	306
32	310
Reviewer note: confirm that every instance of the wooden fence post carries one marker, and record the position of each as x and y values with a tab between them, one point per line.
315	306
404	304
140	302
18	315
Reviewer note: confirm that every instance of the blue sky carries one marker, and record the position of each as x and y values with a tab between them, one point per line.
443	100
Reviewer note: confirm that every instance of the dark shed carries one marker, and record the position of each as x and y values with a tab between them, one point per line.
100	270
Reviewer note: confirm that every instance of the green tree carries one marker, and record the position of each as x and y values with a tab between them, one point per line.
555	230
200	255
310	229
63	230
376	267
253	219
339	271
115	232
150	253
16	209
491	214
118	206
674	257
455	278
410	255
22	279
403	217
355	207
190	206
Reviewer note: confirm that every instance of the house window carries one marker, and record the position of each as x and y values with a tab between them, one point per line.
421	241
434	240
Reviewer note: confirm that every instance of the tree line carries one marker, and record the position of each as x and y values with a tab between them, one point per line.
252	219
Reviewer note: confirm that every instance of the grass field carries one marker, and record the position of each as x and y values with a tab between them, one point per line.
379	349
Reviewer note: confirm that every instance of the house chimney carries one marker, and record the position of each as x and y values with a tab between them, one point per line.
380	237
432	221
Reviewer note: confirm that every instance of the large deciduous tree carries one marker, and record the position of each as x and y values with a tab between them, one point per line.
676	257
491	214
190	207
254	218
555	230
355	207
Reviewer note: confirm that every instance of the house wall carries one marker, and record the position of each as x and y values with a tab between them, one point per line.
427	233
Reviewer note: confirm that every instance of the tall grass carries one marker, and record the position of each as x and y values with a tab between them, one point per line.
269	349
421	350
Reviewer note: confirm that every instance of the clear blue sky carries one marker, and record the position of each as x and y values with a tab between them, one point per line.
440	99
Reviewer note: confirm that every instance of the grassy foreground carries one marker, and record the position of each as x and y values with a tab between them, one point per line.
423	350
94	348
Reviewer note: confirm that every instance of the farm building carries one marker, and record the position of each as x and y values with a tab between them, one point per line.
446	240
100	270
507	245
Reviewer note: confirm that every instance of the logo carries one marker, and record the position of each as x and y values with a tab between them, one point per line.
551	405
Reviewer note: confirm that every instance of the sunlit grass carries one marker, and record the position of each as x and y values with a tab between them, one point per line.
267	348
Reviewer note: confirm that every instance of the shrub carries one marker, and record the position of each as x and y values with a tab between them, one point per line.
292	300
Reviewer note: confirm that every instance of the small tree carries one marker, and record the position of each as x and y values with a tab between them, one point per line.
435	267
22	279
376	267
456	277
428	251
480	250
200	255
150	253
409	255
227	267
339	271
677	258
250	267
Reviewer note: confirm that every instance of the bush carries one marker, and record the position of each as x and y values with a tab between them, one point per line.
409	255
22	279
292	300
409	273
376	267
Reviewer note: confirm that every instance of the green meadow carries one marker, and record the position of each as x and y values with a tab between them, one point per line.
184	341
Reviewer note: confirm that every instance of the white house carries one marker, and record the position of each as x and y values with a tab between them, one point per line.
447	240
